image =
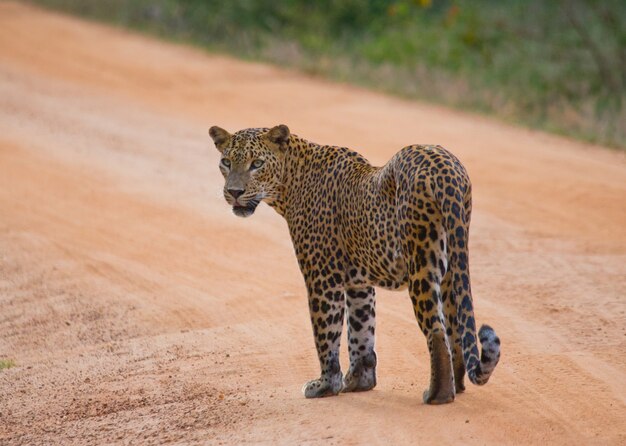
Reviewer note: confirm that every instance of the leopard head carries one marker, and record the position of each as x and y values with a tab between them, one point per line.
252	164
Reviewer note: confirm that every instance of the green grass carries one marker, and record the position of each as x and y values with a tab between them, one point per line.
6	364
556	65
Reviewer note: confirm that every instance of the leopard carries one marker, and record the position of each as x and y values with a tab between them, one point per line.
356	227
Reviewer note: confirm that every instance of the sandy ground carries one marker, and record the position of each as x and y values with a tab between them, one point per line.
139	310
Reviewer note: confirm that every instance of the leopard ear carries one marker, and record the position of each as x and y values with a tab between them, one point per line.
279	135
221	137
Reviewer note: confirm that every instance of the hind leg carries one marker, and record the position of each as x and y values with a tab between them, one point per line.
458	363
425	250
361	327
452	331
428	310
441	390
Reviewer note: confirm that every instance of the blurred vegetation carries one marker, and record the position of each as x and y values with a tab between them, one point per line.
557	65
6	363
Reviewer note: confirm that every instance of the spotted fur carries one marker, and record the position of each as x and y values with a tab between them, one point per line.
355	227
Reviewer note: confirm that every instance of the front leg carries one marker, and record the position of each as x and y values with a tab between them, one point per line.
361	326
327	311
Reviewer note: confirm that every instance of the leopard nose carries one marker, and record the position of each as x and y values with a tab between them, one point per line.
236	193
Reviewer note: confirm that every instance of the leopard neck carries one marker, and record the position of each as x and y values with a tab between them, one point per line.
296	156
301	163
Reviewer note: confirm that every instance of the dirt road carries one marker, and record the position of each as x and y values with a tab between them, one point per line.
139	310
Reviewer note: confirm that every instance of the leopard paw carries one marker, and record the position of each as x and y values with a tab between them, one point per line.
362	374
322	387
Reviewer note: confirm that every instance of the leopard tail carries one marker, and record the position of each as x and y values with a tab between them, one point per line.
456	211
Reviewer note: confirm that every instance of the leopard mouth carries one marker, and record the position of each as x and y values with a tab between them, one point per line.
247	209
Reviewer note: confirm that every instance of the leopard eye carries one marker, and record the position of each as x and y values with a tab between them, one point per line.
256	164
226	162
